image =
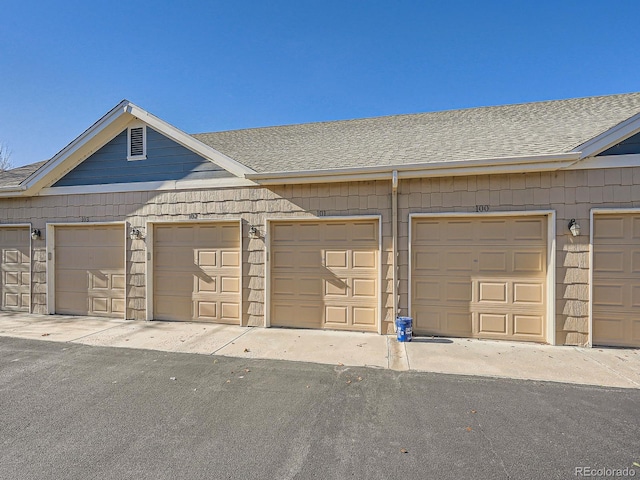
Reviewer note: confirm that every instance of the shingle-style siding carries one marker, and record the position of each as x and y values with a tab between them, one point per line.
252	205
166	160
626	147
571	194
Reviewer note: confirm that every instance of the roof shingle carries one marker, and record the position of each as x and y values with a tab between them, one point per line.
539	128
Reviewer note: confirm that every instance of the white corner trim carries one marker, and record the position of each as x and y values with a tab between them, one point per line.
189	142
150	186
611	137
607	161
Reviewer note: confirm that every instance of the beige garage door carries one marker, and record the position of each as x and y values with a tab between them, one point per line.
483	278
16	268
196	272
616	280
325	275
89	270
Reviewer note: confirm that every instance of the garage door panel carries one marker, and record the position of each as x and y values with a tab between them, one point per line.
15	256
529	261
364	287
528	325
528	293
229	284
364	232
337	286
427	261
534	229
324	274
480	284
89	270
364	259
334	232
616	279
491	291
426	290
488	260
494	230
609	293
492	323
364	316
608	260
297	314
196	272
335	259
457	260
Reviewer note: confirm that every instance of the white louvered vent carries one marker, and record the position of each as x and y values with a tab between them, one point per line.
137	143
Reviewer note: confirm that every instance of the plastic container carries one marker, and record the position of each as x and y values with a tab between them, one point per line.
404	328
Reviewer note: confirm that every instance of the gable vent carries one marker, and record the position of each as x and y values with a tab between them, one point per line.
137	143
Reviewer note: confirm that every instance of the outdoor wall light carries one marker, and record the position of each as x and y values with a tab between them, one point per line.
254	232
35	234
135	234
574	227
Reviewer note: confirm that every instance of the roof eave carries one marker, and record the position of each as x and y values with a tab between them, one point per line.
431	169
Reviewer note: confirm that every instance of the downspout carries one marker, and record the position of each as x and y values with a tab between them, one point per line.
394	234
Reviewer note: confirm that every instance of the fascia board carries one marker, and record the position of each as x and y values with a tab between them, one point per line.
433	169
611	137
607	161
189	142
232	182
82	139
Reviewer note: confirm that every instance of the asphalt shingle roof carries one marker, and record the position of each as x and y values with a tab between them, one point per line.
526	129
539	128
15	176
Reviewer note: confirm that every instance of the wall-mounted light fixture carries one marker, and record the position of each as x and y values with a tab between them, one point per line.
574	227
35	234
135	234
254	232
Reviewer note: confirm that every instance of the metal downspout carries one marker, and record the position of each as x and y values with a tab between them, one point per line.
394	230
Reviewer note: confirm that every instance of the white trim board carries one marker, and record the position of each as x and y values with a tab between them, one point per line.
607	161
551	255
609	138
216	183
289	218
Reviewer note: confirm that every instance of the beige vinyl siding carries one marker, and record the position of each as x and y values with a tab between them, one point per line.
616	280
16	268
324	274
480	277
197	272
90	270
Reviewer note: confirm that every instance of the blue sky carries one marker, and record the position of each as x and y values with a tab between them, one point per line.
220	65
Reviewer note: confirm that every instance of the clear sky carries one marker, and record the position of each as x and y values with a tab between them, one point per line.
219	65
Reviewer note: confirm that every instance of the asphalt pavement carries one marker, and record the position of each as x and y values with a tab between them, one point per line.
78	411
610	367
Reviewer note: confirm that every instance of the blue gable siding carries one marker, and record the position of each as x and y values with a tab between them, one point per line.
626	147
166	160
